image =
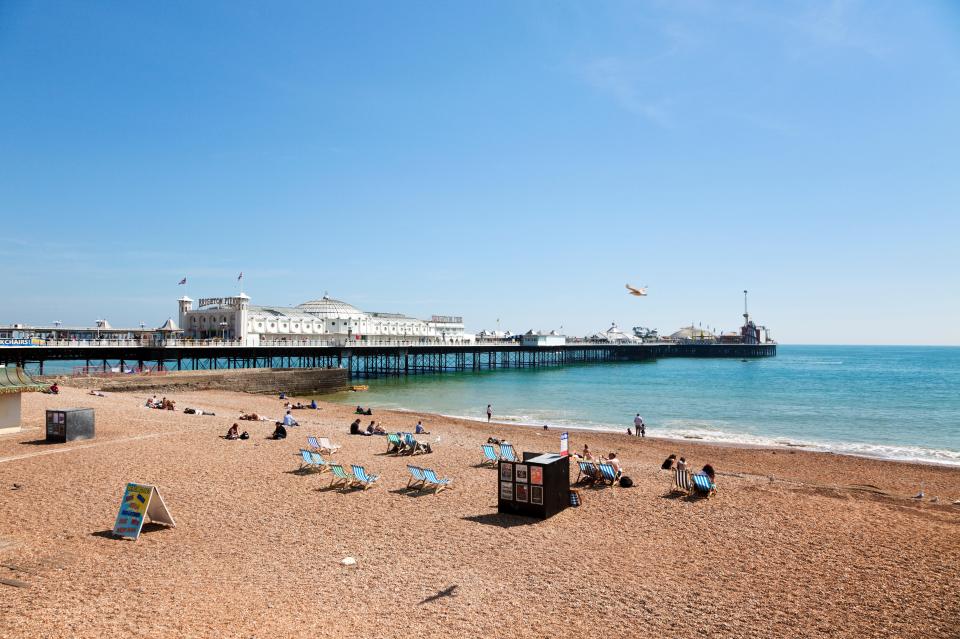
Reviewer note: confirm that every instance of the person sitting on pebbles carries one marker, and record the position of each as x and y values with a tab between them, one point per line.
234	432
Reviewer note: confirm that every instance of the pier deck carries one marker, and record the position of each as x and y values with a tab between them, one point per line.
364	360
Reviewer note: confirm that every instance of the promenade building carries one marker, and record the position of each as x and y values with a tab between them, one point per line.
324	319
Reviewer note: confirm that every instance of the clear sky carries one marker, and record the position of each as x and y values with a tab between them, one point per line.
516	160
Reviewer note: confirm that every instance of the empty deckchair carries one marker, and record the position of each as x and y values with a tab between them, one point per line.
340	477
416	477
433	481
608	474
702	485
327	447
312	442
362	479
681	481
394	443
588	472
319	462
507	453
307	460
489	455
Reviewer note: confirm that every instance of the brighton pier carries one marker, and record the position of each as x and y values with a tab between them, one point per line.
370	360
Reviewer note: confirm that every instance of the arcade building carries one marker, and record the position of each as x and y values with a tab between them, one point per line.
235	318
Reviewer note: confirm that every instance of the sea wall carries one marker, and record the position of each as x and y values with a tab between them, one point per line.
250	380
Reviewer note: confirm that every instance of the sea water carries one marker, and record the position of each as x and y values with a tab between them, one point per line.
894	402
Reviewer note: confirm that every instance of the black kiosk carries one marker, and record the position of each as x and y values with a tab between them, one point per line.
539	486
69	424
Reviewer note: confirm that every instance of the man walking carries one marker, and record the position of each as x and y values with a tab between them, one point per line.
489	413
640	429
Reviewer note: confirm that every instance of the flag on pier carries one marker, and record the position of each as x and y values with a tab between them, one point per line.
182	282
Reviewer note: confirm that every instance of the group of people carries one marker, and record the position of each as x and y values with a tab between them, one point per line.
161	404
612	459
373	428
672	463
639	428
363	411
301	405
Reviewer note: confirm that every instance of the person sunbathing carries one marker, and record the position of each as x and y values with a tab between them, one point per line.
614	461
682	464
97	393
378	429
250	417
234	432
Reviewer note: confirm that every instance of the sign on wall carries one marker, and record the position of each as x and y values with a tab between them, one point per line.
139	501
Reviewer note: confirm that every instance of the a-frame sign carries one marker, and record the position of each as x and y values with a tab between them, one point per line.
140	500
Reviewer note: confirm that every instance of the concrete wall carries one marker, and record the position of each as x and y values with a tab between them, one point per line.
9	411
250	380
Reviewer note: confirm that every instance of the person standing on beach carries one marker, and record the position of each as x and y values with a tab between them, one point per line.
640	429
489	413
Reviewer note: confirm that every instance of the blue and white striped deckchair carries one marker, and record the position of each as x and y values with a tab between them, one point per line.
588	472
412	446
702	485
489	455
361	478
507	453
307	460
313	443
394	443
608	474
416	477
340	477
681	481
433	480
319	462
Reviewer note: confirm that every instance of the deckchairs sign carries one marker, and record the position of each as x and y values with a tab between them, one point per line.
139	501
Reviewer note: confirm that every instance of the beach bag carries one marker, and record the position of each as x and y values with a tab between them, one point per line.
575	498
626	482
244	435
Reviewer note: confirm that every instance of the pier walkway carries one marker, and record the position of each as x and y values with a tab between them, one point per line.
362	359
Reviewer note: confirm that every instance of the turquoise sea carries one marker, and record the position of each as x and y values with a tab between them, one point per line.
895	402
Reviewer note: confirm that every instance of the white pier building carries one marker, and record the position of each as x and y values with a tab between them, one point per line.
325	319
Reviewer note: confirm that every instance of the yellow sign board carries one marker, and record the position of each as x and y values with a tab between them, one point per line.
139	501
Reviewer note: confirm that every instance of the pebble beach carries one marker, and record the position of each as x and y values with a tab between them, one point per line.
794	544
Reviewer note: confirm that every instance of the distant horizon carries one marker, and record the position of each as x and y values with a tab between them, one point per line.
519	161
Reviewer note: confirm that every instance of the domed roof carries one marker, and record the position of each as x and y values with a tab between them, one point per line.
693	333
328	307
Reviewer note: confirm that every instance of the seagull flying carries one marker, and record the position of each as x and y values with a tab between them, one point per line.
639	292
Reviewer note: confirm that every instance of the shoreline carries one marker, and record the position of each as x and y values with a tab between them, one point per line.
807	448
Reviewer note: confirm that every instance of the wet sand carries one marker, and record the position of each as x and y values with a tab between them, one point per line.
795	544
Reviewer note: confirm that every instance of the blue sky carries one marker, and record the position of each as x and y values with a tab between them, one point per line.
516	160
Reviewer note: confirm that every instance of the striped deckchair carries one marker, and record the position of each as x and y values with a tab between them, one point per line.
588	472
411	445
362	479
489	455
507	453
608	474
416	477
394	443
313	443
340	477
320	463
307	460
681	481
702	485
434	481
326	446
